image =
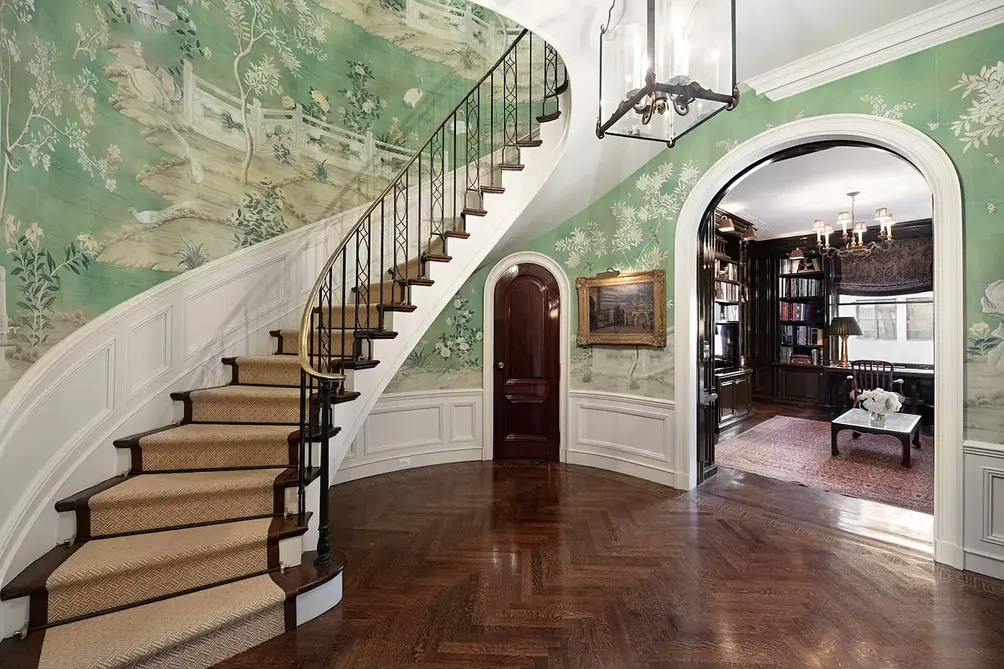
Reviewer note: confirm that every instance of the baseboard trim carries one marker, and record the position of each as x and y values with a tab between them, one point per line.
949	553
388	465
623	466
982	563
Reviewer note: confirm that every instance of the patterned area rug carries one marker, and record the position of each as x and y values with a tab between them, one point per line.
798	450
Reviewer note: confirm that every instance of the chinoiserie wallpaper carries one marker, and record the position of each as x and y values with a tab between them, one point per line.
143	138
954	93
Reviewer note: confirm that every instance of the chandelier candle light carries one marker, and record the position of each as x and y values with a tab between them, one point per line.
689	44
854	241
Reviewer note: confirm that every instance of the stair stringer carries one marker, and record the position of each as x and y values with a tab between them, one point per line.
467	255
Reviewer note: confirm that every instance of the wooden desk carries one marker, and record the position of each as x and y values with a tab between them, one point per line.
921	378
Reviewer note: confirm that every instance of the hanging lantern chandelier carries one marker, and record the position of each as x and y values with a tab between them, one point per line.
666	67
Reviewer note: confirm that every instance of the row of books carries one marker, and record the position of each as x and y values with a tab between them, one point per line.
726	291
796	265
798	311
726	312
813	357
801	335
801	287
727	270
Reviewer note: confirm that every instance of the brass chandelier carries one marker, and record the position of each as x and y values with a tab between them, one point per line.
852	238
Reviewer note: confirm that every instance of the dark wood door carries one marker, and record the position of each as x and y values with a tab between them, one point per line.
707	398
526	361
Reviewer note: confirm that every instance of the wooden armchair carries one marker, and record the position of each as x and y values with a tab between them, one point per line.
872	374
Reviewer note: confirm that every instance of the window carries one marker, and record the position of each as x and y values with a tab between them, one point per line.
919	318
877	321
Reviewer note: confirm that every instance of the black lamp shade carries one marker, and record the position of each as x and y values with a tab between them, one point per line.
844	326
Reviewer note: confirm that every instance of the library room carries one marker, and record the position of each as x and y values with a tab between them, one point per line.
816	292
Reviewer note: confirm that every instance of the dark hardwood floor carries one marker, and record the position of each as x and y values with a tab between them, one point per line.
534	566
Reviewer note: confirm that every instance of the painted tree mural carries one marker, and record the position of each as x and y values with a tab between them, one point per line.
289	29
53	111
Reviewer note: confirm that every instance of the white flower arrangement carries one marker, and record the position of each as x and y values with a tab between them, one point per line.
880	401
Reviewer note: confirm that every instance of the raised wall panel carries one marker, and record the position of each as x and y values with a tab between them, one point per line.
464	417
149	351
993	506
984	504
397	429
635	431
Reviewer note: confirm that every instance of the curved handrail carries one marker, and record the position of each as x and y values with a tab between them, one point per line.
305	319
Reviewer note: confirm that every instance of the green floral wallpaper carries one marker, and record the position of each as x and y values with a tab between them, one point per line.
954	93
143	138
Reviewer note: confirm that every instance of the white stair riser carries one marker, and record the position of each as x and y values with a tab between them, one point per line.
321	599
291	551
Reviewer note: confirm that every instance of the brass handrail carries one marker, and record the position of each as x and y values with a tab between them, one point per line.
306	320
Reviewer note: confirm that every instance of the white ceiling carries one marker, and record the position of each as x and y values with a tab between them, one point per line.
784	198
771	33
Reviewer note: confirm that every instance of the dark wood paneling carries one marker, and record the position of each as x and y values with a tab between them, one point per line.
802	384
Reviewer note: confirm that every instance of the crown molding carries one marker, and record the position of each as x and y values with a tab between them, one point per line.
931	27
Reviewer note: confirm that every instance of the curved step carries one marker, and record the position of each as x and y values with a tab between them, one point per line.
194	630
101	575
207	446
147	502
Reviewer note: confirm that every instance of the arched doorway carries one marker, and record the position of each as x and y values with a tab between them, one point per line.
928	157
504	267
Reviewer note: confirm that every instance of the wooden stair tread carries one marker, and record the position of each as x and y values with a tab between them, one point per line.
140	634
140	551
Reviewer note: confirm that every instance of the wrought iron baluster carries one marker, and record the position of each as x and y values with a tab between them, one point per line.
418	239
382	276
436	185
510	79
491	131
323	538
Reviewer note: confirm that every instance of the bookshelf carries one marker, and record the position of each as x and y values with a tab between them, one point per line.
732	377
801	312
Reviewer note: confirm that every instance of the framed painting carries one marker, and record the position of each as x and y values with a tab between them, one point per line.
626	309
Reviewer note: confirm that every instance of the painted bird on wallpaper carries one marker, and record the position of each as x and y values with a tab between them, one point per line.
152	219
414	95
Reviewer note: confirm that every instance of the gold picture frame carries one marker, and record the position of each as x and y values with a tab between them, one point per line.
628	309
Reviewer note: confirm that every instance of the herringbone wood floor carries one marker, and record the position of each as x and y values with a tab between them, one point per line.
485	565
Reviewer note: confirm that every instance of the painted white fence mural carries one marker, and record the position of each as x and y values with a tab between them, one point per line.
215	113
460	23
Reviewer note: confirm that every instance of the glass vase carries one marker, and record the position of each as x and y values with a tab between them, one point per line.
876	418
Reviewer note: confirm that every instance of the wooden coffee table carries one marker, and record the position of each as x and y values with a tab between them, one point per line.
903	426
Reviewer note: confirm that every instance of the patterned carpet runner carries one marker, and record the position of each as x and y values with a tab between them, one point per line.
173	563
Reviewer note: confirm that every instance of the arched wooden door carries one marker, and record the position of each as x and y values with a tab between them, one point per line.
526	363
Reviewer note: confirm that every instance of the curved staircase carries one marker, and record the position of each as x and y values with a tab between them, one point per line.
216	539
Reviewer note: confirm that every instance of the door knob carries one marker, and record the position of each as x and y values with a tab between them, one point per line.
501	364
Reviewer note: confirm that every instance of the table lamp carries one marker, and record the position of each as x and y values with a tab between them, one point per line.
843	327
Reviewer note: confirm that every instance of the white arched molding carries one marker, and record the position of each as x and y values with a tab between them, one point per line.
488	354
932	161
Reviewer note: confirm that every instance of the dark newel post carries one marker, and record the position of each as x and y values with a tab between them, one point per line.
323	541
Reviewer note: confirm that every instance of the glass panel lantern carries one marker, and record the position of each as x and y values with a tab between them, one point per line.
666	66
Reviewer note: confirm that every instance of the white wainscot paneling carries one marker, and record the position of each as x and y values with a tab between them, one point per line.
407	430
112	378
984	508
623	433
